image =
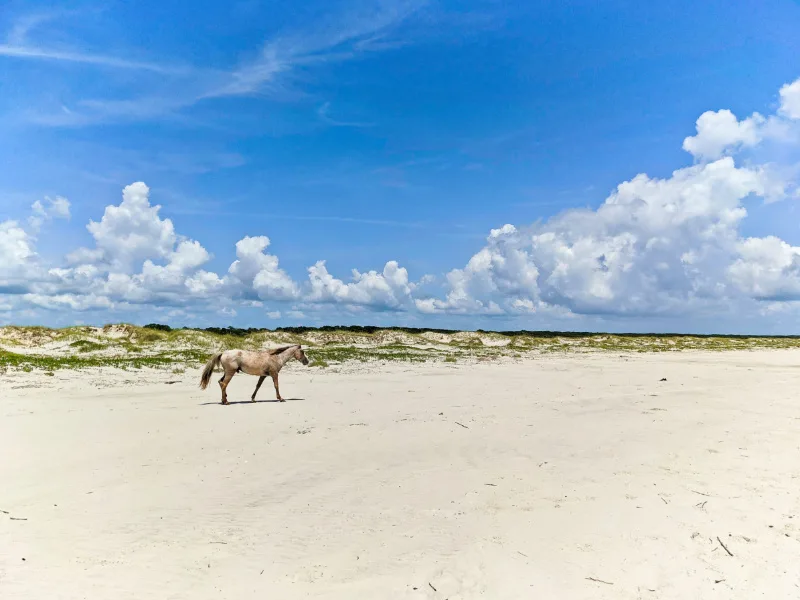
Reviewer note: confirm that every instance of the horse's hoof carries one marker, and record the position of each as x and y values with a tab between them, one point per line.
281	400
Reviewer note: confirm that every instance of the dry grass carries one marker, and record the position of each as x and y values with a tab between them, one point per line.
131	347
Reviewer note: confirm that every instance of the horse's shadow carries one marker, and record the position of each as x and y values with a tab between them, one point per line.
236	402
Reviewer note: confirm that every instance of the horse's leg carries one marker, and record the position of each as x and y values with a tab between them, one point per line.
258	385
223	384
277	391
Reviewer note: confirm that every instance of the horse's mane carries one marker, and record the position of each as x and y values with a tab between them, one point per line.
280	350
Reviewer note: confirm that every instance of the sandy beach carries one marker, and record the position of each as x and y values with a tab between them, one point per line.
652	476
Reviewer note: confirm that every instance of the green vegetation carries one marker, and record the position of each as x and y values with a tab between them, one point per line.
343	354
86	346
160	346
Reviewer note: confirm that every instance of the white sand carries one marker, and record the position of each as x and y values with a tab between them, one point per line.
568	468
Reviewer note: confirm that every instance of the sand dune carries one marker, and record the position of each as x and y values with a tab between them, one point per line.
555	477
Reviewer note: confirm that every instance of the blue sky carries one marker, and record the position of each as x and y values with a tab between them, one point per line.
361	133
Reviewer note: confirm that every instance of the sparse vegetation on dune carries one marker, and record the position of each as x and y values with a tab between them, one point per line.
159	346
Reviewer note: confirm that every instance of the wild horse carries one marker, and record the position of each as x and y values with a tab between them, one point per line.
262	364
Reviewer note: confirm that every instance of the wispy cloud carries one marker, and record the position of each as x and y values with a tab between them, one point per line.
323	112
18	45
18	35
89	59
341	38
277	67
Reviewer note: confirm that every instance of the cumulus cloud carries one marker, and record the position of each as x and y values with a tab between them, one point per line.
256	272
74	280
138	258
203	284
180	271
721	133
767	268
19	265
790	100
651	247
73	302
389	289
129	232
57	208
16	247
655	246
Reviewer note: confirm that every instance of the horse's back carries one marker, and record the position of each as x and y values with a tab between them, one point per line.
246	361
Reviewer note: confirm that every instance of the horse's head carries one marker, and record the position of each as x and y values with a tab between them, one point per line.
300	355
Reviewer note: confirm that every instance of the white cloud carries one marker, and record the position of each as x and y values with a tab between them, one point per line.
18	45
185	260
654	246
131	231
338	38
33	52
19	263
57	208
768	269
16	247
203	284
132	237
342	39
74	280
719	132
498	271
255	271
74	302
389	289
790	100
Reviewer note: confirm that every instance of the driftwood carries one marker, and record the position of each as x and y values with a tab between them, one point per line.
724	547
599	581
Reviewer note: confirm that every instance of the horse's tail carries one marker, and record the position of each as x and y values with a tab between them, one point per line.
212	364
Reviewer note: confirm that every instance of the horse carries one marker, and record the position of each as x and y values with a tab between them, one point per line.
262	364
